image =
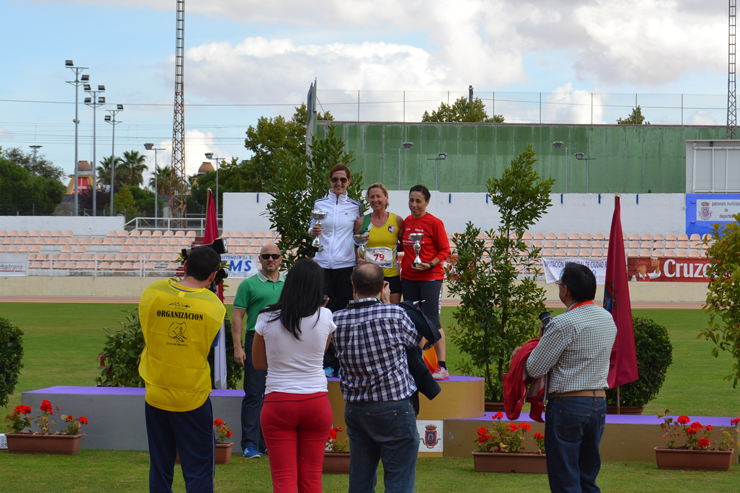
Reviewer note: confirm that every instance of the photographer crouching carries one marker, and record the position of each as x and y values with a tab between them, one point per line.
180	321
575	347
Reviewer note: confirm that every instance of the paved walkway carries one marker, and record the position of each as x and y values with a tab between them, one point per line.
229	301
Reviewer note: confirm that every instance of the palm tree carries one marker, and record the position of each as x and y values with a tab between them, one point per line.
104	172
164	176
135	167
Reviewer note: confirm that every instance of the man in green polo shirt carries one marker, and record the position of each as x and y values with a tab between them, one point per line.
253	295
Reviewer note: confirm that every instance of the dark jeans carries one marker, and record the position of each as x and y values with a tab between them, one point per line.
254	391
382	431
338	287
191	434
573	429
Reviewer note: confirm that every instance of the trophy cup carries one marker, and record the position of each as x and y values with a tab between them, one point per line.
318	216
361	241
416	238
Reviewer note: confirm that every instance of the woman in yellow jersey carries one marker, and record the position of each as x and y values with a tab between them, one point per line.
385	228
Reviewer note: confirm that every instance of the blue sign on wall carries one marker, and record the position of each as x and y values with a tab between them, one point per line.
240	265
703	210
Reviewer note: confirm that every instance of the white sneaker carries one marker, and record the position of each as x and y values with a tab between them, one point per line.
441	374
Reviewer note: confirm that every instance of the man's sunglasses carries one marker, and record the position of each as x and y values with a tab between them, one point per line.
334	179
268	256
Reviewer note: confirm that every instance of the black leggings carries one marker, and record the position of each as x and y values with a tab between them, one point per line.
429	293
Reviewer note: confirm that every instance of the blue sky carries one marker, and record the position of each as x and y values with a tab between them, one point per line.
265	54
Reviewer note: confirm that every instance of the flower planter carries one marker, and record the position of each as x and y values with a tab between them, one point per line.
223	454
694	460
516	462
26	443
336	463
625	410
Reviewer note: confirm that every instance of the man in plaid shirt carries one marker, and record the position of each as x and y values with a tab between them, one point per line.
575	348
371	341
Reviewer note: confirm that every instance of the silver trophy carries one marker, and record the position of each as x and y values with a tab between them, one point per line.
318	215
416	238
361	242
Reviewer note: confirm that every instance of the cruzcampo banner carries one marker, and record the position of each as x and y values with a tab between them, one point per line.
667	269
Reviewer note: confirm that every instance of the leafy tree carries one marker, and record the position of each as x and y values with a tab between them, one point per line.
271	137
164	176
635	118
498	310
723	293
36	165
26	193
124	203
298	183
144	200
11	356
229	180
103	172
462	110
135	165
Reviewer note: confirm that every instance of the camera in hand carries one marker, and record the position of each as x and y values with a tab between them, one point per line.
219	246
545	318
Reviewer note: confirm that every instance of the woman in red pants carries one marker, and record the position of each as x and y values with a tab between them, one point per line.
290	341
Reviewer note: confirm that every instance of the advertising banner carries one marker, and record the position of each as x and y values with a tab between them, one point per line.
667	269
704	210
241	266
554	267
13	264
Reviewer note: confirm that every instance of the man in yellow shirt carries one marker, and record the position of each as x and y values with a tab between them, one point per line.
179	321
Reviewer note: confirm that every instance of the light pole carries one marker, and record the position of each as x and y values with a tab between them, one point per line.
112	120
209	155
579	156
35	149
560	145
79	79
440	157
404	147
150	147
94	101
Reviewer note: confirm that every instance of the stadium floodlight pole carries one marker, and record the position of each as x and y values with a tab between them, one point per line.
35	149
440	157
209	155
560	145
80	78
112	120
580	157
404	147
94	101
150	147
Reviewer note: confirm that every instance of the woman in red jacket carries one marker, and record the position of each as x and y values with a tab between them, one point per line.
423	282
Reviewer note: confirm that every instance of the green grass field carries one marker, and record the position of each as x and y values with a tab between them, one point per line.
62	341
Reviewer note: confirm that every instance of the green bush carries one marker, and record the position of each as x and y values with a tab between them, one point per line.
11	354
119	361
654	356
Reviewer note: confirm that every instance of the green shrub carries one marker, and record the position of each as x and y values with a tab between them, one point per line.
119	361
11	354
654	356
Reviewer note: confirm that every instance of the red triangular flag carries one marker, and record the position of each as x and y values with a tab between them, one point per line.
211	232
623	361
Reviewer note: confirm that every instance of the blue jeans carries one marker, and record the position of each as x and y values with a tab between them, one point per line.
382	431
254	391
573	429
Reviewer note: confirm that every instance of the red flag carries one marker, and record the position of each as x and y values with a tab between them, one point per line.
211	232
623	361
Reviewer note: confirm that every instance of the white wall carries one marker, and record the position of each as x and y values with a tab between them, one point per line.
579	213
80	225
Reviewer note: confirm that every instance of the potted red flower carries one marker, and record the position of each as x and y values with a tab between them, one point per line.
698	452
336	458
44	441
501	449
224	444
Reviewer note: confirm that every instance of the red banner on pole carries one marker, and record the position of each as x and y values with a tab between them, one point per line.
211	232
623	361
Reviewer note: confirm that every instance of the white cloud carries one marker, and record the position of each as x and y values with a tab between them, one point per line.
702	117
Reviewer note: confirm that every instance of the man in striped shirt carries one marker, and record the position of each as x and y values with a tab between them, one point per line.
371	341
575	348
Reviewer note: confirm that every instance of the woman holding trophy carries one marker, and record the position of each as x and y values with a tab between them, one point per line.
426	246
377	234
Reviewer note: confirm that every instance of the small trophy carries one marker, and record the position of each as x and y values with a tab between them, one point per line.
361	241
318	216
416	238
